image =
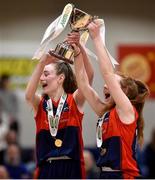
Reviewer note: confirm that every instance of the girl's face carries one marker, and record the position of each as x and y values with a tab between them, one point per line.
106	92
49	80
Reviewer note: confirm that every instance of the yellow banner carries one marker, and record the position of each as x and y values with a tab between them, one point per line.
17	66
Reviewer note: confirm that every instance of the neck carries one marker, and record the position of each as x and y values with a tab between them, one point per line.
57	94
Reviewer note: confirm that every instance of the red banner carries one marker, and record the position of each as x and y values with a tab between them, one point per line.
139	62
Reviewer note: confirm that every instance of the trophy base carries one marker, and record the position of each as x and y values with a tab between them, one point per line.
53	53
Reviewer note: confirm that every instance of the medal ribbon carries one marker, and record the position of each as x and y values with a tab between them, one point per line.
54	120
99	139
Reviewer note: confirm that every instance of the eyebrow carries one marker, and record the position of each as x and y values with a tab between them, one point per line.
45	71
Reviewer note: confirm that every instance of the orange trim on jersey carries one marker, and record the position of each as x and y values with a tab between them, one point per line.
83	171
36	173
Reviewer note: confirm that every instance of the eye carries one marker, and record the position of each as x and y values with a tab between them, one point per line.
46	73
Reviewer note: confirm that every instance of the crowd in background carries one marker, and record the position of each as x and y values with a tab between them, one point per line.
17	162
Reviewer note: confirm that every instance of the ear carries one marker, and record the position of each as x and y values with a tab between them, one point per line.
61	78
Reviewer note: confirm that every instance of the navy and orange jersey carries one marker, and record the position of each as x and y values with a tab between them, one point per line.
118	150
69	131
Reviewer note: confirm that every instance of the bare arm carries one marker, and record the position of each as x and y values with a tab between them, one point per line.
30	95
78	95
83	83
87	65
123	104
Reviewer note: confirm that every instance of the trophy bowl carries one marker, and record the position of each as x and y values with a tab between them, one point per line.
79	21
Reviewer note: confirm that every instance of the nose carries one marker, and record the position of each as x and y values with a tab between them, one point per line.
105	86
42	77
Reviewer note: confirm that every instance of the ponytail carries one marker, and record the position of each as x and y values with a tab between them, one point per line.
69	83
139	102
137	92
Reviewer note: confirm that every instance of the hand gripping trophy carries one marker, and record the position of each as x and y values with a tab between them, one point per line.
78	21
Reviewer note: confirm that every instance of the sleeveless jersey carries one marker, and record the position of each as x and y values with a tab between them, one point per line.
69	131
119	145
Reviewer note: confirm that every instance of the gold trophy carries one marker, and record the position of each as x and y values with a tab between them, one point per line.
78	22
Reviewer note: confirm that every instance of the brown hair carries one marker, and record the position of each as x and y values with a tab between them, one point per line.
69	84
137	92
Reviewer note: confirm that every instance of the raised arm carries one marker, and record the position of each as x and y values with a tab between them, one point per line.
30	95
87	64
123	104
83	83
74	37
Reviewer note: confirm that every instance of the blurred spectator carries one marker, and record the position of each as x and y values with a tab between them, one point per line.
4	128
28	157
92	171
3	173
12	137
16	169
149	158
27	154
8	101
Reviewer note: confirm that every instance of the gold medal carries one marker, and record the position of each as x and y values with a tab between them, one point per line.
58	143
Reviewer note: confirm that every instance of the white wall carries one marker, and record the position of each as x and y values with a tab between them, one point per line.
21	37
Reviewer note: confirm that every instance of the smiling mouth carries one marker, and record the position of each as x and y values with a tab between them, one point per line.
44	85
107	96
